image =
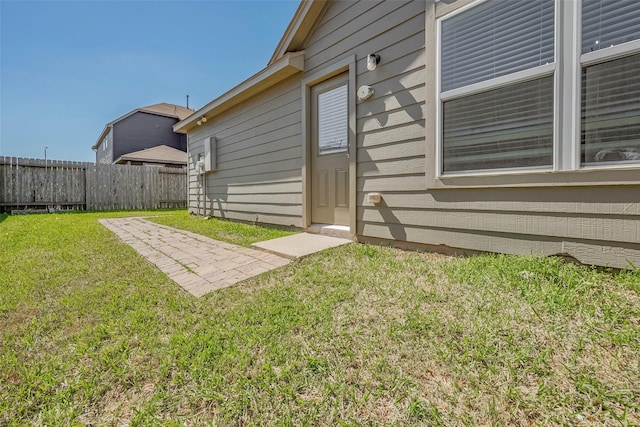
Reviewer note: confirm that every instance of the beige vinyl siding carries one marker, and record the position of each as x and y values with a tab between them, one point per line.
260	146
599	225
363	28
390	126
258	176
530	224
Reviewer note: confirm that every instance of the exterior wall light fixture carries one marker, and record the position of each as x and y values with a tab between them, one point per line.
202	120
373	59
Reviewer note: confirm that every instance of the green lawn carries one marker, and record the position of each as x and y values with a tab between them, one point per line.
220	229
358	335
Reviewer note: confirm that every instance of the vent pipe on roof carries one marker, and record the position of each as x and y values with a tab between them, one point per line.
187	101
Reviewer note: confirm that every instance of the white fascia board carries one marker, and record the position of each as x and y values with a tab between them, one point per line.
290	64
156	113
292	29
104	133
130	113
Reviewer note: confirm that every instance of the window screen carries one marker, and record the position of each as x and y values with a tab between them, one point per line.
611	111
609	22
494	39
333	121
509	127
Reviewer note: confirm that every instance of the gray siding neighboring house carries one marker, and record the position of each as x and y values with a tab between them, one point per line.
104	148
141	129
554	188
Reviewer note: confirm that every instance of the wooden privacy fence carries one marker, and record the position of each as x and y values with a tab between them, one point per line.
38	184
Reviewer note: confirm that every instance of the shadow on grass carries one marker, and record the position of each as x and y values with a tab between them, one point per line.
106	213
133	210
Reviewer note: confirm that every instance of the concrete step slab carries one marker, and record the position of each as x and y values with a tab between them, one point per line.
332	230
298	245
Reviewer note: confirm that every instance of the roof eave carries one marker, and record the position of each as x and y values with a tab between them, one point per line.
289	65
125	158
299	28
157	113
104	133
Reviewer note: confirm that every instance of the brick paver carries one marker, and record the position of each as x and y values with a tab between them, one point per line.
197	263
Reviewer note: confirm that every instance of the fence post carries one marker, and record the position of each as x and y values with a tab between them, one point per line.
86	208
18	182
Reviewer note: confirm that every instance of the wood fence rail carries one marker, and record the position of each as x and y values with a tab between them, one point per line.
38	184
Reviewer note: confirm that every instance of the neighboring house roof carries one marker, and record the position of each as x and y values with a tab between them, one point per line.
162	109
159	154
169	110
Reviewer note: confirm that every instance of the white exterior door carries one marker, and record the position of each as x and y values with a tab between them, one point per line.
330	151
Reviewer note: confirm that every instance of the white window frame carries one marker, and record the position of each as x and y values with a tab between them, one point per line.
567	72
594	58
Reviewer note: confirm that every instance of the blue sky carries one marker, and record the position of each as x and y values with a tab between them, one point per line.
69	67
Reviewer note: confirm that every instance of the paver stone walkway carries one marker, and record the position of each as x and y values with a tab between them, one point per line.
195	262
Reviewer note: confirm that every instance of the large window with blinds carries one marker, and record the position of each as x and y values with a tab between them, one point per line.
503	69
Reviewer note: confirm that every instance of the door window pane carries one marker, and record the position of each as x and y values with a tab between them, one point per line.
333	121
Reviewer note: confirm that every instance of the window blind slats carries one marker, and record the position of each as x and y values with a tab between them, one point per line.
510	22
509	127
611	111
514	55
333	121
609	22
494	39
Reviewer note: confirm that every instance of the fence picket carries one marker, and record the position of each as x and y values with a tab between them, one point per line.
36	184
